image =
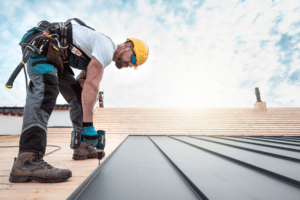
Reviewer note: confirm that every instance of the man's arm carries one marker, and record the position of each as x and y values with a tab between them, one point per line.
91	89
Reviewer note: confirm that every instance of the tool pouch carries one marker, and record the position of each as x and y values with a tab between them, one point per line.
51	50
54	56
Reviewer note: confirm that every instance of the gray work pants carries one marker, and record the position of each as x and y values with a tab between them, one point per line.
41	98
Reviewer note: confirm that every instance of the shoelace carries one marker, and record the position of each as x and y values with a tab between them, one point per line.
46	164
41	160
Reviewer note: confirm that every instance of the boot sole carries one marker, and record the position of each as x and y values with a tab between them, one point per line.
24	179
83	157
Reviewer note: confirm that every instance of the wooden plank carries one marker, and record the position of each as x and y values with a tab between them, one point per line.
63	159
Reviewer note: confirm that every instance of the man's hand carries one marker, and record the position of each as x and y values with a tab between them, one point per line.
81	78
91	89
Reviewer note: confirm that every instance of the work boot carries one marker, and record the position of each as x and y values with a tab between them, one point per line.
28	166
85	150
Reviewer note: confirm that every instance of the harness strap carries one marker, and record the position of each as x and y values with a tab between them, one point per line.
67	40
79	22
64	29
63	40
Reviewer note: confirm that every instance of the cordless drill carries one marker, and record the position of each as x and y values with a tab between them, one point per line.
76	139
101	144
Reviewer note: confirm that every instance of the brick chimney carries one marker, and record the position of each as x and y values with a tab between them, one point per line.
259	105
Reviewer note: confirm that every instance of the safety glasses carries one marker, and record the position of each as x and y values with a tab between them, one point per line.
133	58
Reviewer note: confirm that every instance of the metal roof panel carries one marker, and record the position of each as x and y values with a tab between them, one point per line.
180	167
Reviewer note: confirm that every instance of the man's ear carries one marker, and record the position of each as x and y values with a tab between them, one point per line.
127	45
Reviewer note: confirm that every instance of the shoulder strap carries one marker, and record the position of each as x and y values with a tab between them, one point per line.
79	22
64	29
64	33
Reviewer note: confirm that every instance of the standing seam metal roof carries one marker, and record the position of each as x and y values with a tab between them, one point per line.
197	167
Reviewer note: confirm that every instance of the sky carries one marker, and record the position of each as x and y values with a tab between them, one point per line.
202	53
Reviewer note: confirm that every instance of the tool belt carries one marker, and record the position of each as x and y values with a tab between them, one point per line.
38	40
50	48
64	30
58	52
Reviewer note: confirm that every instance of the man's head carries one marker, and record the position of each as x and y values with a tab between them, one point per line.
133	52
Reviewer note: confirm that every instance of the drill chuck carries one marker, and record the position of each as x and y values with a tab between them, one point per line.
100	153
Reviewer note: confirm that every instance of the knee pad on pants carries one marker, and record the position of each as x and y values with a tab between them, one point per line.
51	92
40	65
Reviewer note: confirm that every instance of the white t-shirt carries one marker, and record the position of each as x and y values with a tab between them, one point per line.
94	44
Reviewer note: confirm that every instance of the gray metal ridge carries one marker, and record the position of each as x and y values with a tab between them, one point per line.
186	167
271	141
252	150
277	176
268	142
281	138
90	178
256	147
136	170
260	144
219	178
189	182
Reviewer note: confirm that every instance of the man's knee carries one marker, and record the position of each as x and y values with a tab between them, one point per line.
51	92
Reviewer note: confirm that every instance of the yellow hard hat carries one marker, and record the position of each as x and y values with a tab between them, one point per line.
141	51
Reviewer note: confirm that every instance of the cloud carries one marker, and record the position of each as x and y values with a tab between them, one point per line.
202	53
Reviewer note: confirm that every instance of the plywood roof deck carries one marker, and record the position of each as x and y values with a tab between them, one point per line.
62	159
191	121
120	122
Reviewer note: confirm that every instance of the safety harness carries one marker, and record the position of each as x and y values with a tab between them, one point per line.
64	30
55	41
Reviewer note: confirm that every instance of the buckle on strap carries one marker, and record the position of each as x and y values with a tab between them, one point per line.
79	52
63	39
75	51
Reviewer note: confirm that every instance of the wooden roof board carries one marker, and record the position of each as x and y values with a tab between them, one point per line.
62	159
197	121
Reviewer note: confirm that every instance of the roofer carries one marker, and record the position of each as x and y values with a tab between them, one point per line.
80	47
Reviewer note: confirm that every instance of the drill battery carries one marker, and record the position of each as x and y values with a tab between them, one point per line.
76	138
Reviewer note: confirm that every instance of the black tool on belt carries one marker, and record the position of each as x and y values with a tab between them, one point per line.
37	44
